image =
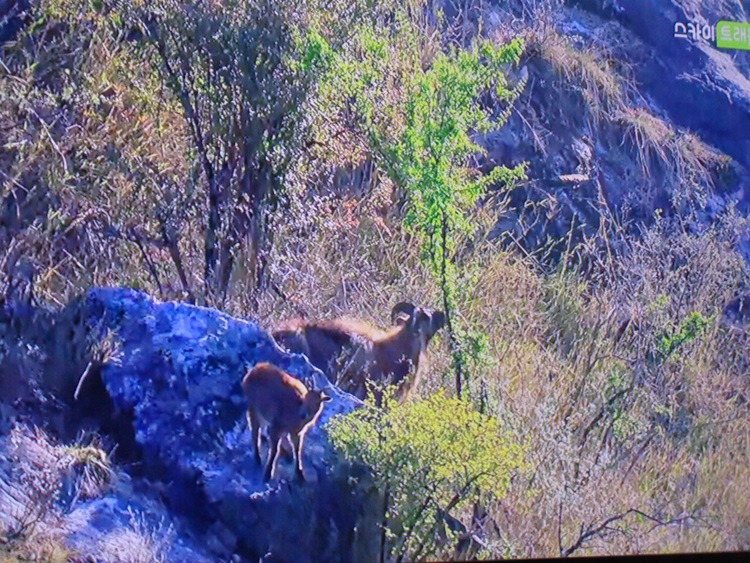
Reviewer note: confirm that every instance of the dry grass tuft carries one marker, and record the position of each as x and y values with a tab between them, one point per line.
44	489
688	160
92	466
590	72
140	542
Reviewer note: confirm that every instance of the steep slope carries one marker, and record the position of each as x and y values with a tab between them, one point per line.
169	394
620	119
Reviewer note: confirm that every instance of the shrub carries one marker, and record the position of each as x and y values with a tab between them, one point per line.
667	344
430	457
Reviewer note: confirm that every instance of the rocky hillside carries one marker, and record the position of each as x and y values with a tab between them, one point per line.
178	177
620	116
170	388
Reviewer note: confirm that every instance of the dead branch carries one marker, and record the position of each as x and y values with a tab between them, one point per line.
589	531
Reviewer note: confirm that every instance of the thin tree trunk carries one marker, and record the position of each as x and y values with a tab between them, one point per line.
212	227
150	265
452	341
170	241
384	523
213	189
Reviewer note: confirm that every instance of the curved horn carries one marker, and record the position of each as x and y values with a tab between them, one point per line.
402	307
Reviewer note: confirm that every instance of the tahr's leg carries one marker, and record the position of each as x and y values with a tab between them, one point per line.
297	442
273	455
254	425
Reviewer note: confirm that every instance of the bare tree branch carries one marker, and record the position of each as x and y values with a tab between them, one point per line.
589	532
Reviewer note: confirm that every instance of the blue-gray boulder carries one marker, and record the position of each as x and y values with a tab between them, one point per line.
176	378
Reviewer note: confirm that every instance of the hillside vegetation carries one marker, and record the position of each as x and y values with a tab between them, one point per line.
277	158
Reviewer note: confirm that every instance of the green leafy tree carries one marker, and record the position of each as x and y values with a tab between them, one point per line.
244	72
430	458
432	159
430	156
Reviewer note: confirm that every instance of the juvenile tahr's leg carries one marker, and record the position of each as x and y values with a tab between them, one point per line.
273	455
254	425
297	441
287	448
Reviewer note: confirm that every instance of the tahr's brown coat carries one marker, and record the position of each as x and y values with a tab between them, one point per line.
351	352
283	405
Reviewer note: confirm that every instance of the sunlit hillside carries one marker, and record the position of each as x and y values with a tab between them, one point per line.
541	174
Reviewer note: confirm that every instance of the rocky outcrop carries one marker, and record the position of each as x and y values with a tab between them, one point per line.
700	87
585	164
174	382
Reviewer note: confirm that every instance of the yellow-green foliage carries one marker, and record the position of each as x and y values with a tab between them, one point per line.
431	455
443	436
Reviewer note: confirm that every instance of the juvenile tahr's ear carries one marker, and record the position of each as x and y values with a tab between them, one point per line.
401	308
324	398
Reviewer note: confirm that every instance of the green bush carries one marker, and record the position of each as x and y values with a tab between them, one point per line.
430	458
691	327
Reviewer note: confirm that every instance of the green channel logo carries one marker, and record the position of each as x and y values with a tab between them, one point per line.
733	35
